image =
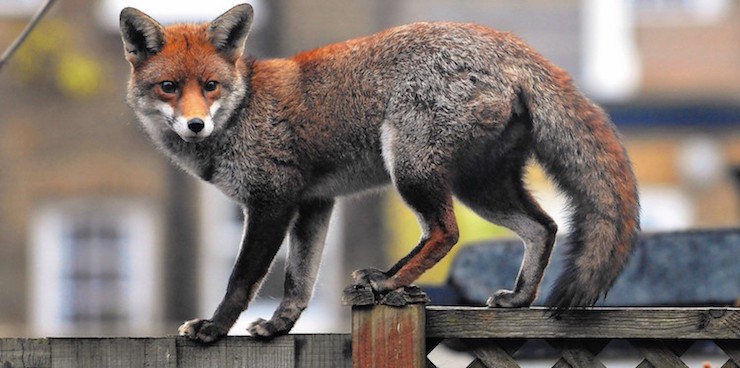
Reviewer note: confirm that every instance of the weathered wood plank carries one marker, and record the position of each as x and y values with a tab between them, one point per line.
477	363
323	351
236	352
429	364
658	353
357	295
25	353
430	345
579	353
677	347
731	348
390	332
562	363
490	353
113	352
662	323
388	337
363	295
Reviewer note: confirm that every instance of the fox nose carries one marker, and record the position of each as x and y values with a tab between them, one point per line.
196	125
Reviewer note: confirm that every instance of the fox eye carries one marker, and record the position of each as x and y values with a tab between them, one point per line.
210	86
168	86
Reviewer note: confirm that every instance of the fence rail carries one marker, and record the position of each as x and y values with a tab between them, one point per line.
609	323
399	331
292	351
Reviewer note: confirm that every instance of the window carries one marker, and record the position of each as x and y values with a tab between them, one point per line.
93	268
93	276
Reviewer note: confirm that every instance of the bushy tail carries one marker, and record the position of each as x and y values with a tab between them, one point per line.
579	148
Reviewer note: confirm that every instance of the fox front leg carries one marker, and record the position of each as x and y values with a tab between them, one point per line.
265	229
305	245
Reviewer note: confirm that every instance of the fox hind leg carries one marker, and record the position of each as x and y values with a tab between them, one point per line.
419	175
439	234
507	203
433	208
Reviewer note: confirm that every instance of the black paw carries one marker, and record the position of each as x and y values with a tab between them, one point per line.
202	330
268	329
375	278
509	299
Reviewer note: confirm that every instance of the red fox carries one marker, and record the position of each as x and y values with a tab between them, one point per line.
437	109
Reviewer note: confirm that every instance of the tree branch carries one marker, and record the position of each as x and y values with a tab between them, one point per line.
22	37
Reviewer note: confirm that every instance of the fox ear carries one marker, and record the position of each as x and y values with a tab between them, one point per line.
229	31
142	35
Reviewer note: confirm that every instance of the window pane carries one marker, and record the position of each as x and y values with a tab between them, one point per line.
93	276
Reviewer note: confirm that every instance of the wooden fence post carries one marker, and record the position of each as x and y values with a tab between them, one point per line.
389	332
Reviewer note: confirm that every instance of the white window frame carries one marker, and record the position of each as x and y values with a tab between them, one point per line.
142	291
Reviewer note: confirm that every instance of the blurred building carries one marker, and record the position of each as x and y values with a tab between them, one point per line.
83	196
99	234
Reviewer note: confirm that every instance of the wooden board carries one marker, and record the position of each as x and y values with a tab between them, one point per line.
113	352
25	353
625	323
300	351
388	337
323	351
236	352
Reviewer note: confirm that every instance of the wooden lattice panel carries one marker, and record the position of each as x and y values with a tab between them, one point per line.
577	353
660	336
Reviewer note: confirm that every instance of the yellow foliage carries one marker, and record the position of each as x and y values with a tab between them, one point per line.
78	75
33	59
51	55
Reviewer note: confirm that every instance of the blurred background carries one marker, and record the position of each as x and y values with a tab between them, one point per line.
100	235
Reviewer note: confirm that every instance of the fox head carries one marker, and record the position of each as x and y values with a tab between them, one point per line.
185	78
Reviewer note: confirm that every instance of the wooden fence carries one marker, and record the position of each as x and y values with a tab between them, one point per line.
399	331
177	352
661	335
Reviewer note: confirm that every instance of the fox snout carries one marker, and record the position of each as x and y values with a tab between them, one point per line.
196	125
194	108
190	127
193	129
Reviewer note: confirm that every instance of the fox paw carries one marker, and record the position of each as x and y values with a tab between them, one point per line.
272	328
375	278
202	330
509	299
